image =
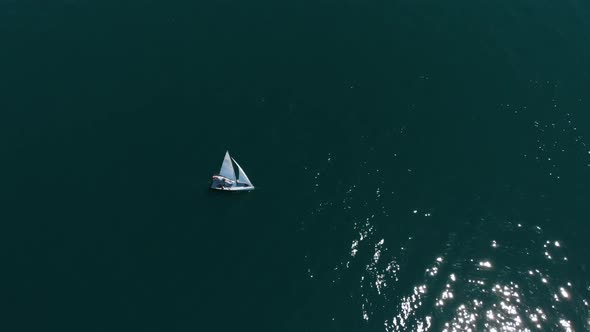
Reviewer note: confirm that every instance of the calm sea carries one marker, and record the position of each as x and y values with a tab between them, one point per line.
420	165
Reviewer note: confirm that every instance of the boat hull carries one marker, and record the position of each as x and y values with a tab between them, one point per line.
233	188
224	184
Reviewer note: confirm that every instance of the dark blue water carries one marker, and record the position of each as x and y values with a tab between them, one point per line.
420	166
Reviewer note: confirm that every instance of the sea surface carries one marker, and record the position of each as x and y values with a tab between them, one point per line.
420	165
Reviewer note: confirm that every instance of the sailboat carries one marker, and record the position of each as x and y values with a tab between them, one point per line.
227	180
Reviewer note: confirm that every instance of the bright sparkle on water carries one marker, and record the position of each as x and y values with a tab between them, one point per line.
485	264
563	292
497	306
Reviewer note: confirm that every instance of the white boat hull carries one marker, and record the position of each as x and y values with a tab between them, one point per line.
224	184
234	188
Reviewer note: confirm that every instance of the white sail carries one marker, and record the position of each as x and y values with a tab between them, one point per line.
242	177
227	169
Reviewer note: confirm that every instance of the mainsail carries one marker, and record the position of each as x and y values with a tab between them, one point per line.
227	169
242	177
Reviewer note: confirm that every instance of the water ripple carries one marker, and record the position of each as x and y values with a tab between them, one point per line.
480	278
